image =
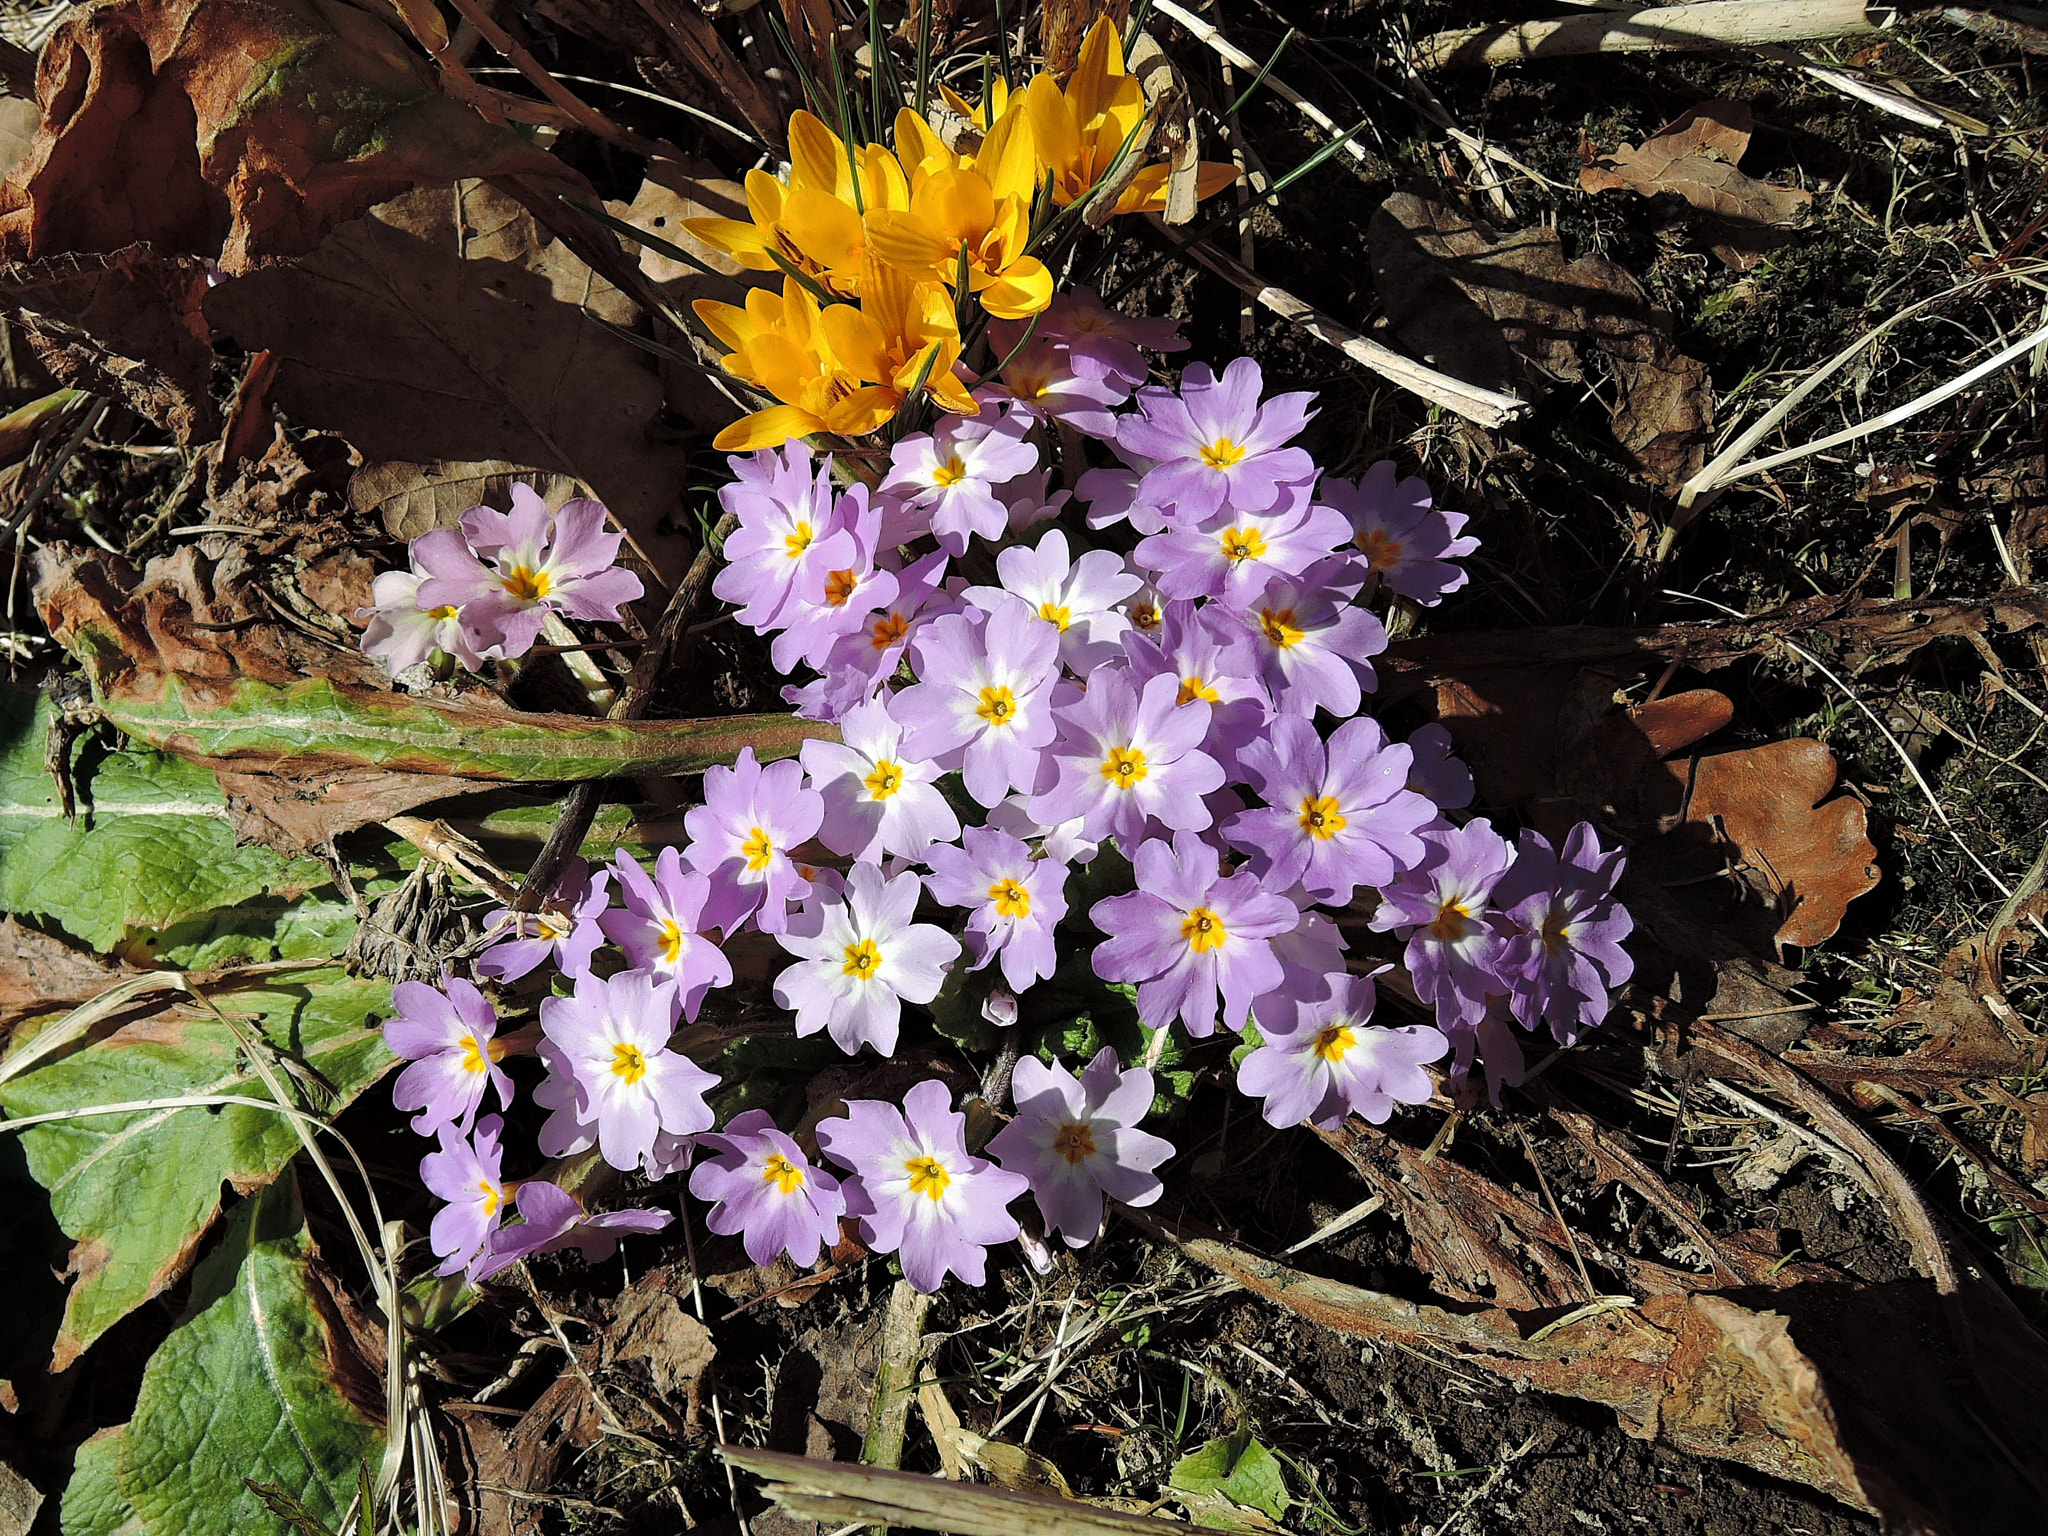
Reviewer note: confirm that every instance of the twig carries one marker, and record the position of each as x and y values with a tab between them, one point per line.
1930	1253
1484	406
1706	24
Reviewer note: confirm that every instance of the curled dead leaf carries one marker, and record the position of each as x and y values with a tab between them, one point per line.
1695	158
241	130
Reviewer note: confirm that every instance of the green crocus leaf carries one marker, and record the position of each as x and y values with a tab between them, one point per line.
243	1389
137	1191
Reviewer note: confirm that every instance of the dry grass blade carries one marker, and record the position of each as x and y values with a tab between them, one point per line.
1489	408
1706	24
837	1493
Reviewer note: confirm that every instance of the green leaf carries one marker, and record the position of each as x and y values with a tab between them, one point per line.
137	1191
242	1389
1249	1476
152	846
94	1504
262	928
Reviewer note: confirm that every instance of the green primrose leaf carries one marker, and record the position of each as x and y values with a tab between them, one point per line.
1250	1477
243	1389
94	1504
137	1191
151	848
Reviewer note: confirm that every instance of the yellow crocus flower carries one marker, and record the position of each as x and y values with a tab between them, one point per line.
1077	132
814	223
982	208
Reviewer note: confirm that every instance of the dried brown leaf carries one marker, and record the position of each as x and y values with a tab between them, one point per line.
446	326
236	129
648	1326
37	971
125	325
1878	1395
412	499
1695	158
1811	854
1509	312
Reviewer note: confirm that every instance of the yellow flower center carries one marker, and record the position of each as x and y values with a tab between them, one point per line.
998	706
862	959
1334	1041
1241	544
473	1059
950	473
839	587
757	850
444	613
888	629
493	1196
1450	923
1193	688
1222	453
1380	552
1056	615
1203	930
1320	817
885	780
1075	1142
782	1173
797	540
672	941
928	1176
1145	615
1011	899
527	584
1557	933
629	1062
1125	767
1279	627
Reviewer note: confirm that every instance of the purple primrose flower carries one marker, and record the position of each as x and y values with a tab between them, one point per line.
831	602
916	1190
1408	544
1436	772
540	563
1330	1061
1190	937
449	1037
1130	761
951	472
567	928
1015	901
466	1174
1076	1140
1215	445
789	537
1337	816
1564	955
615	1081
556	1219
768	1191
876	799
858	956
661	928
1443	907
401	633
1233	555
1312	641
1215	665
741	837
1076	597
983	702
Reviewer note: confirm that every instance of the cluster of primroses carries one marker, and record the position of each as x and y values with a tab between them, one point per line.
1169	662
1149	656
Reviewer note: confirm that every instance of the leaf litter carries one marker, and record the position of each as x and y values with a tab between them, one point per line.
438	338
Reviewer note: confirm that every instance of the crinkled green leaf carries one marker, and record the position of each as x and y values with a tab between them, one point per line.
1239	1468
94	1504
243	1388
262	928
137	1191
151	847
